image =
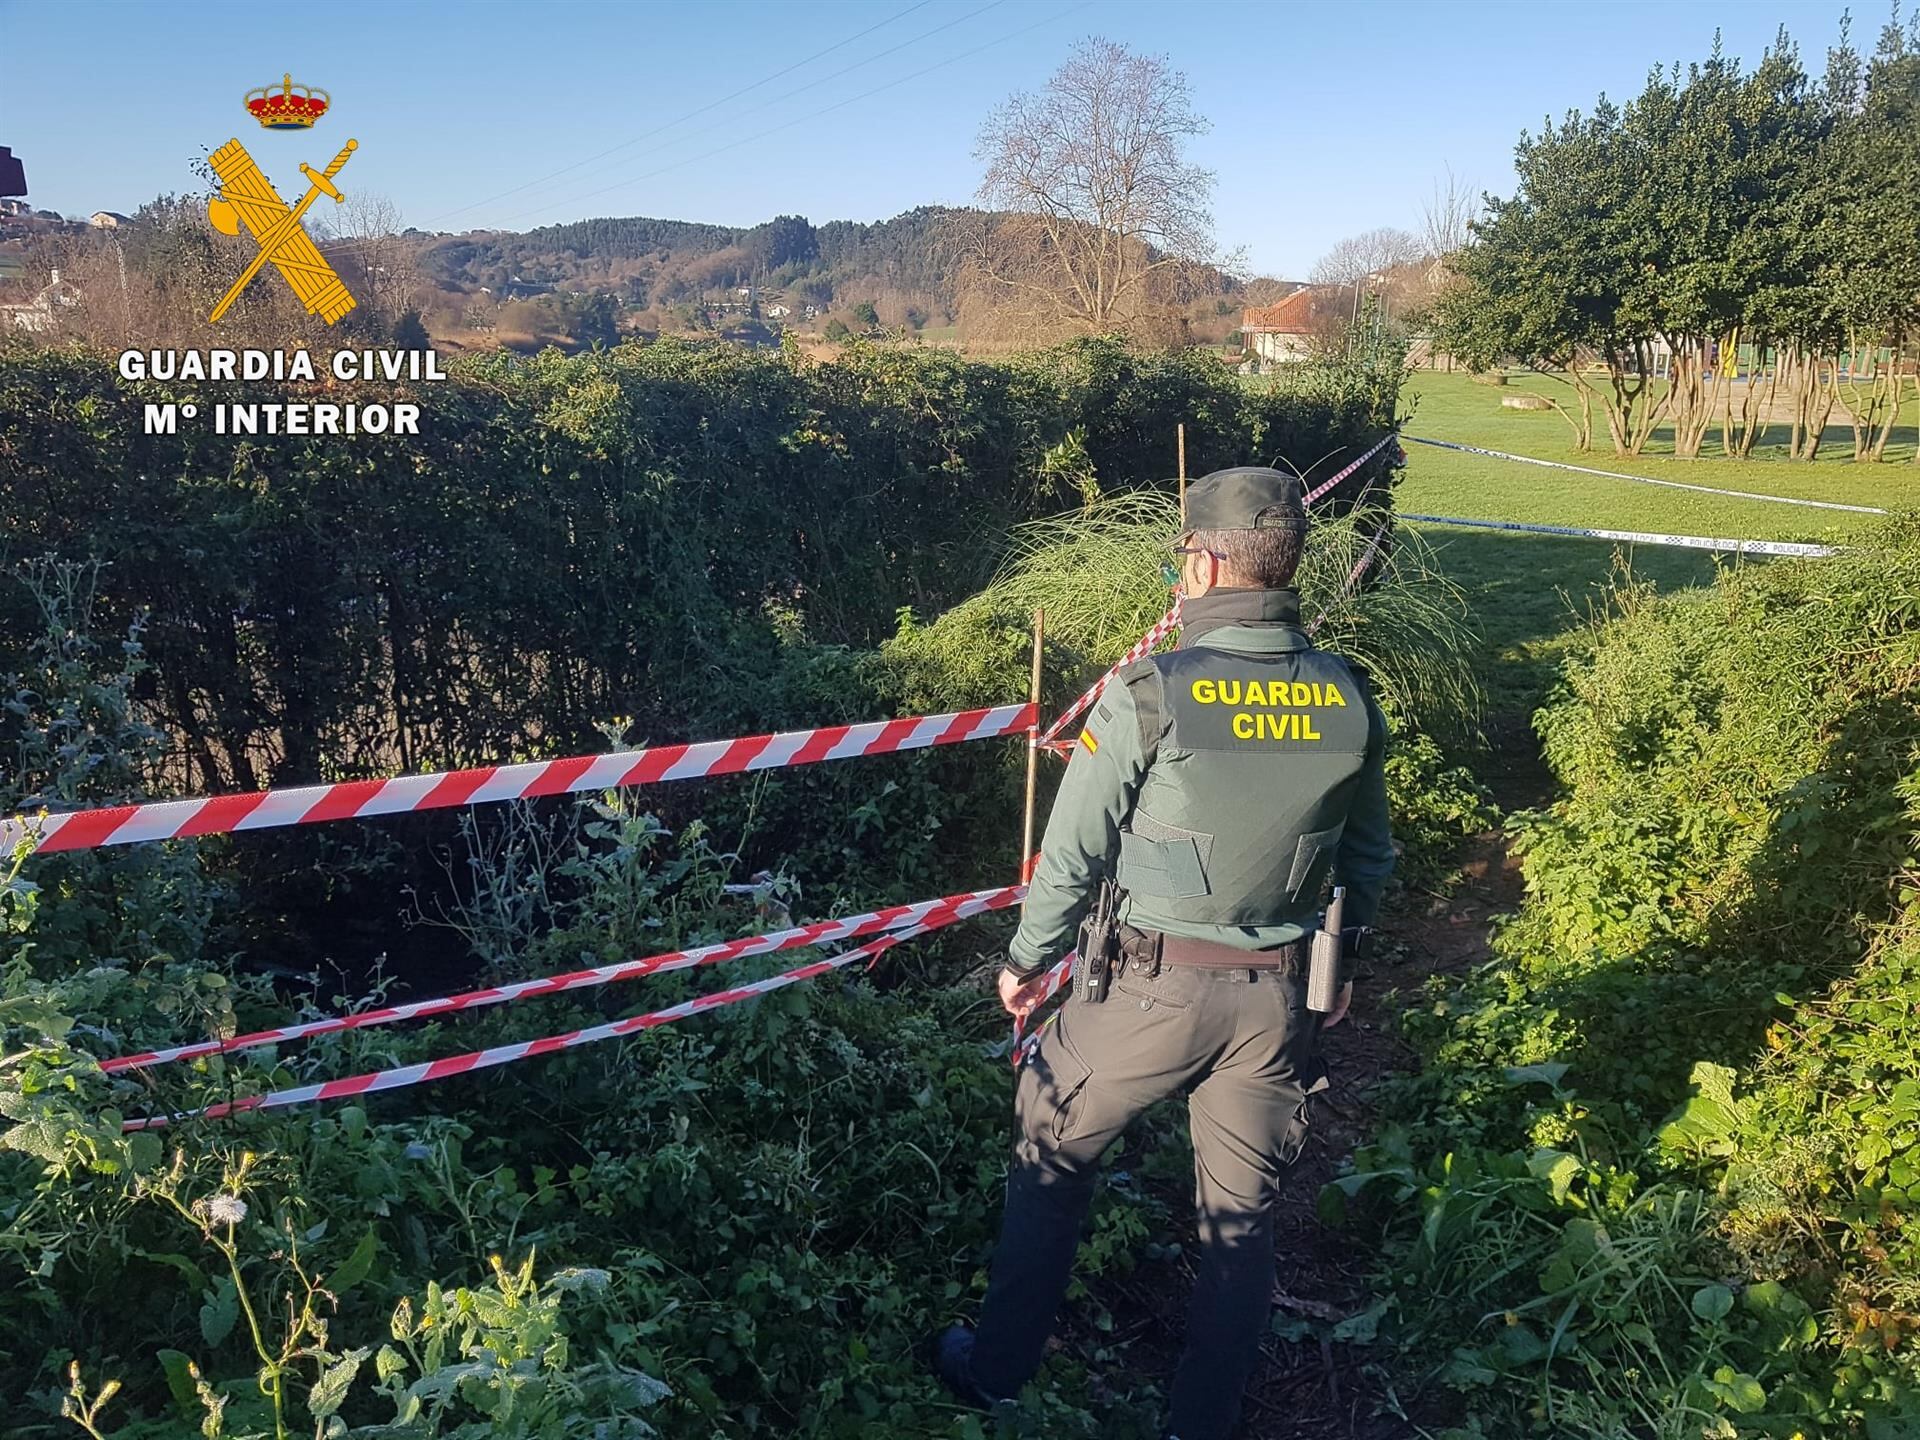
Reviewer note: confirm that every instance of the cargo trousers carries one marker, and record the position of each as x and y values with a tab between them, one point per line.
1244	1047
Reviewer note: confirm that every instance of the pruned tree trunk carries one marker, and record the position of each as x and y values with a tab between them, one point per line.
1738	433
1691	396
1630	421
1819	392
1568	371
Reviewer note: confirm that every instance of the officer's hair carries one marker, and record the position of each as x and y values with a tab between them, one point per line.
1264	559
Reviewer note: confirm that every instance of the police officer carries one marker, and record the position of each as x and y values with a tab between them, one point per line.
1219	787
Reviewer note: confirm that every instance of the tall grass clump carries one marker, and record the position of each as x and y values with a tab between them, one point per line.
1661	1172
1095	572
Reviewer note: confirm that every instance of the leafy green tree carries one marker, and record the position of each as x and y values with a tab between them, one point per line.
1537	283
1861	220
783	240
592	321
867	315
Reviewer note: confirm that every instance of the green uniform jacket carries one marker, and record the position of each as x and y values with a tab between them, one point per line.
1104	780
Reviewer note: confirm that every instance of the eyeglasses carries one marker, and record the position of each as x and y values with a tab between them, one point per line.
1170	572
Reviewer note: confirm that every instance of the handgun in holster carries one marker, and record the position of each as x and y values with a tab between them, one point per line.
1099	944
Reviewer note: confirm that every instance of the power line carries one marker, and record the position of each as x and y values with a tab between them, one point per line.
690	115
816	114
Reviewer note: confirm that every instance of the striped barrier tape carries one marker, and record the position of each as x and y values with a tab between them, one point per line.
1353	578
426	1072
1142	648
1052	983
1326	485
820	932
1644	480
1690	542
359	799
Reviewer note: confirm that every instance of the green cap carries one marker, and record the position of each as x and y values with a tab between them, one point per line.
1247	497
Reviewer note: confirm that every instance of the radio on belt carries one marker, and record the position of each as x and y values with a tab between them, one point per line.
1323	966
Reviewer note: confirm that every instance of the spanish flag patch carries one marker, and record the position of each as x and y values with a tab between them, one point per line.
1086	739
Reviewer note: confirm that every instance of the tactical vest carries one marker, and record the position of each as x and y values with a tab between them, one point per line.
1252	764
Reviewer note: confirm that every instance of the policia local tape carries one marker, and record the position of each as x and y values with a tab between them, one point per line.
451	1065
360	799
820	932
1690	542
1644	480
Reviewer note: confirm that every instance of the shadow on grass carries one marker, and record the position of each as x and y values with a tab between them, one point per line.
1530	598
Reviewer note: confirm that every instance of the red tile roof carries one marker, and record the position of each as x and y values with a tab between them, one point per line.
1291	316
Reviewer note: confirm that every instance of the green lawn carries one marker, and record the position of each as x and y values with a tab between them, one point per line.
1530	594
1453	407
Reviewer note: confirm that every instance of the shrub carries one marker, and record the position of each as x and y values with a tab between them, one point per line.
1666	1142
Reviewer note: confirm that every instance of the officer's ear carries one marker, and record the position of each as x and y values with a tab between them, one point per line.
1205	569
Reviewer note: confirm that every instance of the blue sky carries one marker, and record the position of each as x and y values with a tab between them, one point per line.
1327	118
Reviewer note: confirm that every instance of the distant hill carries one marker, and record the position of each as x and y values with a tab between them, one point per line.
648	262
679	275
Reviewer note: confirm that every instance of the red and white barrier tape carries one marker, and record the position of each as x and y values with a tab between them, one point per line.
1353	578
451	1065
359	799
820	932
1142	648
1052	983
1326	485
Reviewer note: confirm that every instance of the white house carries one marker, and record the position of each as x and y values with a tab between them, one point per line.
38	313
108	220
778	312
1282	332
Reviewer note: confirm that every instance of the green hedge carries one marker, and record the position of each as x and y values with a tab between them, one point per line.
1661	1172
623	533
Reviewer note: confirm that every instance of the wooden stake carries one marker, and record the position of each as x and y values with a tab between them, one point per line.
1181	431
1033	748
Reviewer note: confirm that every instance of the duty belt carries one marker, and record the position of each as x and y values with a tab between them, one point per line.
1151	949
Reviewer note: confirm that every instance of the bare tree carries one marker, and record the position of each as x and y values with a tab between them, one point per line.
1097	219
1448	215
363	242
1362	257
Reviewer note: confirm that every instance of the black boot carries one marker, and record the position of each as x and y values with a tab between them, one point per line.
953	1363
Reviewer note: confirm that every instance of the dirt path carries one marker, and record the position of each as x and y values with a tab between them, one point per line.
1311	1388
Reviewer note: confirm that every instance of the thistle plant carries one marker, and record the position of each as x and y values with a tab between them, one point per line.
219	1216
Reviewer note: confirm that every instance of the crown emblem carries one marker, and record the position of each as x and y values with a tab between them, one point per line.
290	107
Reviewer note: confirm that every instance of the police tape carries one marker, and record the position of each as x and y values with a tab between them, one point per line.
820	932
1640	537
1353	578
1644	480
427	1072
1326	485
362	799
1142	648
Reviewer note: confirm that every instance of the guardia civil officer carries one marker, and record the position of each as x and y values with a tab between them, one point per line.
1219	788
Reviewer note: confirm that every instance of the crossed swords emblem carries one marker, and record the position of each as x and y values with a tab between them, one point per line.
247	197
